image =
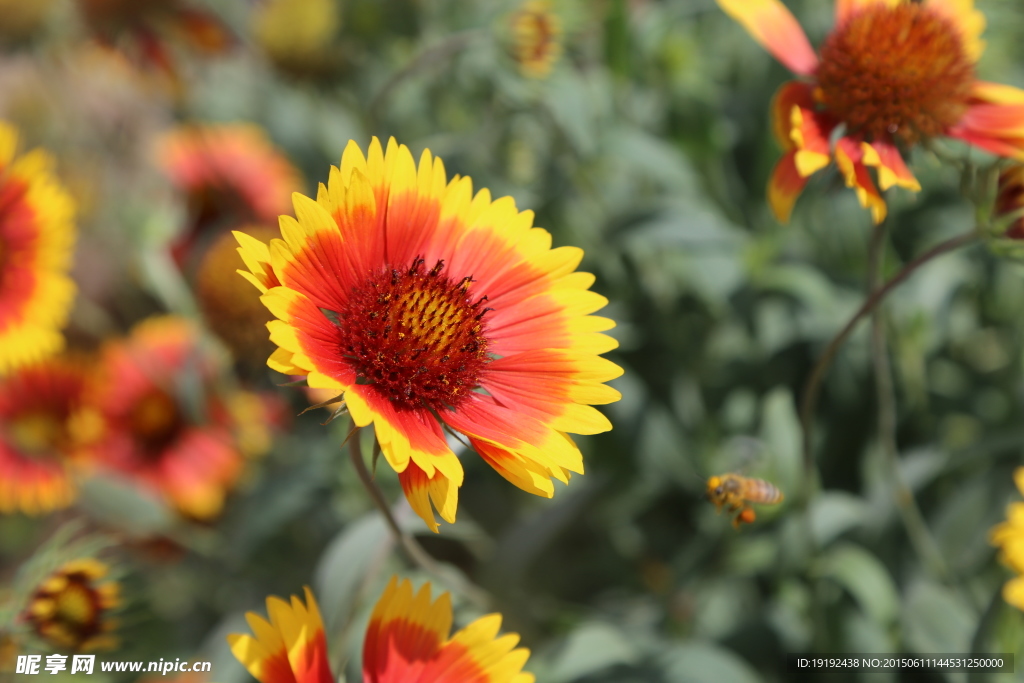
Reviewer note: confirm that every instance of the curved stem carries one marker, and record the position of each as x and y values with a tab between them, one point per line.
412	548
885	395
813	385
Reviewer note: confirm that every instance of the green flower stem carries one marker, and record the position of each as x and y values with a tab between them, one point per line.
413	550
885	396
813	386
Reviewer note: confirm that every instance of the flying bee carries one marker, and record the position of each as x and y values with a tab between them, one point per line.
735	491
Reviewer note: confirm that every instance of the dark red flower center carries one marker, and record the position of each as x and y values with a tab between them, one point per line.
155	420
416	335
895	73
72	612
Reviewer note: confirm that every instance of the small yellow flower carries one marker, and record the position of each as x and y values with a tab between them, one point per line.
295	33
1009	537
537	32
71	608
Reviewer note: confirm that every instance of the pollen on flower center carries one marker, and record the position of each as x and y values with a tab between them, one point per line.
415	334
895	73
76	605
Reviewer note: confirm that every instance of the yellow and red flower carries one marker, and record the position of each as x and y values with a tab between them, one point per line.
37	238
231	174
42	427
537	34
290	648
428	307
407	641
71	608
1009	538
164	427
892	73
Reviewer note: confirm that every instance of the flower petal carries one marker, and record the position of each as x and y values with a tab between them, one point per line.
775	28
967	20
890	166
849	159
785	186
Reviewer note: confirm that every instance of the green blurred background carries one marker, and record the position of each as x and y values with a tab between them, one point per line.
649	146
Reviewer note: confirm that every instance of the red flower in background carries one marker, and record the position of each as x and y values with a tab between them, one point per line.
165	425
43	430
232	175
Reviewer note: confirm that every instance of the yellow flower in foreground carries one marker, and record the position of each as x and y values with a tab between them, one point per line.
537	34
37	237
407	641
891	73
71	607
427	307
1009	537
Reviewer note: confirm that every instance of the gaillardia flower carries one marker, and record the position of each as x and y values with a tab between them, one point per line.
42	433
426	306
891	74
231	174
71	608
407	641
37	238
290	648
164	426
537	36
1009	538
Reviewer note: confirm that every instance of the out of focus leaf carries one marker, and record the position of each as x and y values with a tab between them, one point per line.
124	505
867	579
705	662
780	430
936	620
590	648
343	567
835	512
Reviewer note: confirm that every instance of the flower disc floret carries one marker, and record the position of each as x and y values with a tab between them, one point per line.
415	334
895	72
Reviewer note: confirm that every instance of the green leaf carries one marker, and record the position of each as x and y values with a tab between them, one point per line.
703	662
124	505
867	580
937	620
780	430
835	512
344	565
591	648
